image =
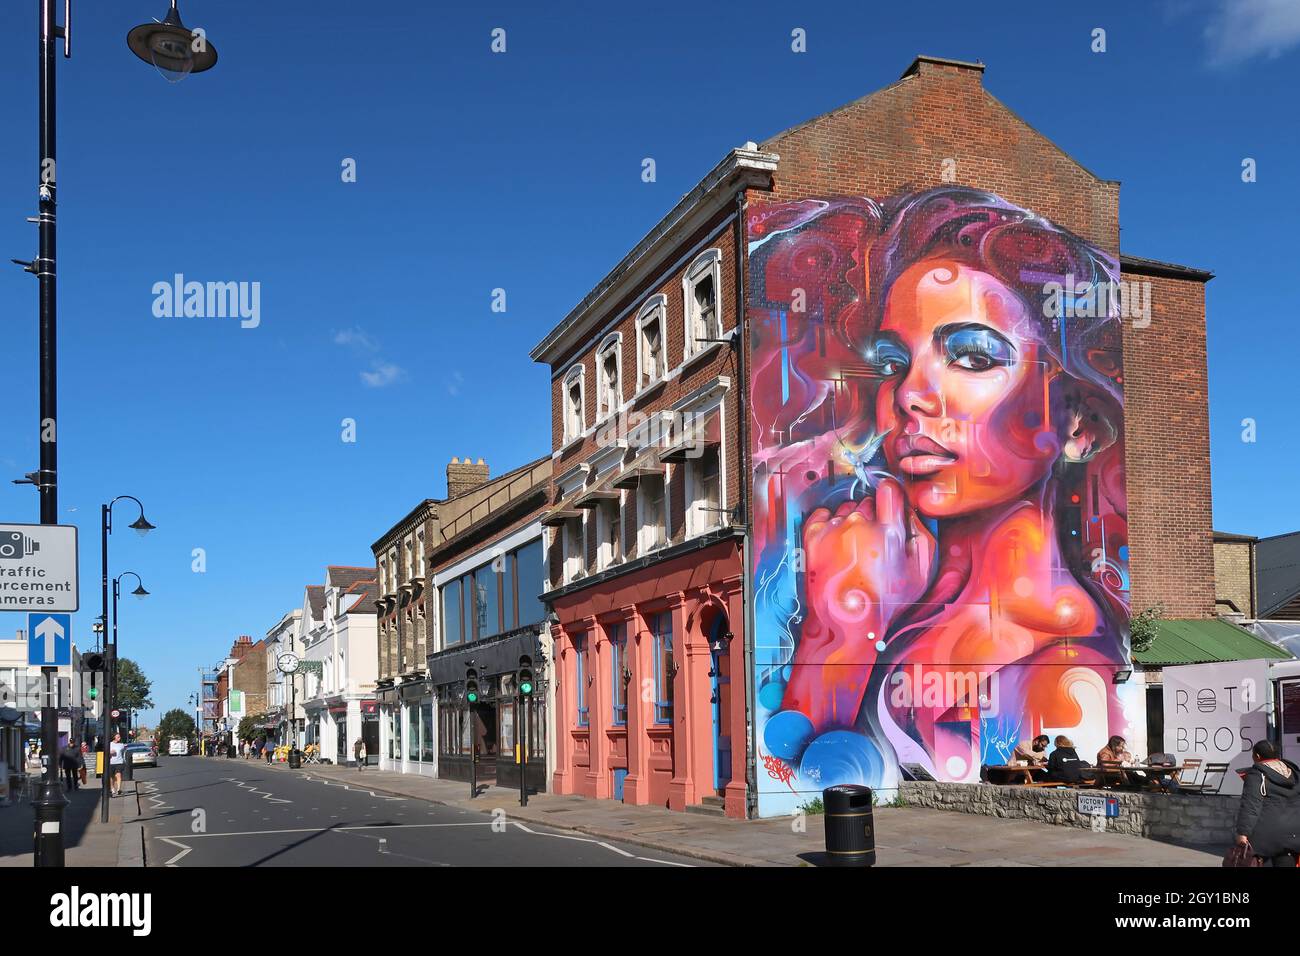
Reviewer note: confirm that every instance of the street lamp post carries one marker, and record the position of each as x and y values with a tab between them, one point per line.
140	593
142	526
174	50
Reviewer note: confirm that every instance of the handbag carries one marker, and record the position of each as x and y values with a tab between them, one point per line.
1241	854
83	774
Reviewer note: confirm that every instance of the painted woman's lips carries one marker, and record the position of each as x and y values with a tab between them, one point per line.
920	456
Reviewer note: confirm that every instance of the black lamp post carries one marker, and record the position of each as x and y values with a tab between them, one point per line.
140	593
142	527
161	41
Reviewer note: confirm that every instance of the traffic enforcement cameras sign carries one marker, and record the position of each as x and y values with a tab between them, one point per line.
38	567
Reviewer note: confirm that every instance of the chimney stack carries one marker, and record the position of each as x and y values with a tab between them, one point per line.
463	476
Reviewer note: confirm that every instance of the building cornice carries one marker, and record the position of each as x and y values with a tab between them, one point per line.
743	168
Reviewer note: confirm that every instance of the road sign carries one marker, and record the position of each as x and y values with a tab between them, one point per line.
117	713
38	567
49	640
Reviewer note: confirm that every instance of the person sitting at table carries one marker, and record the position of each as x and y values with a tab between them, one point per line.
1032	752
1064	764
1115	752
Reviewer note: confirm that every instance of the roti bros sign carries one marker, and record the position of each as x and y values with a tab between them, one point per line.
38	567
1215	713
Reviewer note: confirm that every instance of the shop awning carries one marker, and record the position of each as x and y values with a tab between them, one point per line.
1203	642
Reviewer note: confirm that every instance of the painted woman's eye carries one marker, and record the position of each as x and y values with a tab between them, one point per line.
978	349
887	357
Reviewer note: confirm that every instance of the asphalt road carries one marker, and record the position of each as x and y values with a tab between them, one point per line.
204	812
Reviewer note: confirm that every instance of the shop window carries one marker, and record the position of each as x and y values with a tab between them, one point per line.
426	730
487	603
530	572
661	626
580	660
412	712
451	613
617	661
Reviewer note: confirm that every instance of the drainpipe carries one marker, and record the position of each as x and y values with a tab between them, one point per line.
747	578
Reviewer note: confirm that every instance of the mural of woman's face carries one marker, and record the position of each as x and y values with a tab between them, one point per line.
964	397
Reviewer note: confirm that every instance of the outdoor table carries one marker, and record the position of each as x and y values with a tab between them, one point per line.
1026	774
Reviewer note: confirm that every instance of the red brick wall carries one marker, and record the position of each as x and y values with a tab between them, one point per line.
1168	455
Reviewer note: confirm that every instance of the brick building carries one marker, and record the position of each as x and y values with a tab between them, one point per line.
784	489
476	548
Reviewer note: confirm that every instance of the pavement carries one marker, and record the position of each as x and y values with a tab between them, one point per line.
86	841
905	836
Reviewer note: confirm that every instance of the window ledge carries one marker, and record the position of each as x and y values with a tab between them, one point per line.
708	349
648	390
569	443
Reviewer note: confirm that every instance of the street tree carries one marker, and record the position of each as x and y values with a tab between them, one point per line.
176	724
133	687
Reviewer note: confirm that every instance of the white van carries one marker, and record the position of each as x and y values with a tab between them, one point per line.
178	747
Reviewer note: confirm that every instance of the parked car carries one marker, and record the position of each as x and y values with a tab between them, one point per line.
142	755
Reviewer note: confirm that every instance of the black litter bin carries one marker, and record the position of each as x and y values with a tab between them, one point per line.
231	751
128	771
295	758
850	826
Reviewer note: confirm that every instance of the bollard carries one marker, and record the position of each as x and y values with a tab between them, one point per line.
127	769
850	826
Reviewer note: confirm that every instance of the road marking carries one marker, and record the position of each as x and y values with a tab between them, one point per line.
377	796
266	794
370	826
607	846
184	849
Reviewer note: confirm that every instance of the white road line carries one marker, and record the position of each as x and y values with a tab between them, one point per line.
327	783
607	846
266	794
184	849
379	826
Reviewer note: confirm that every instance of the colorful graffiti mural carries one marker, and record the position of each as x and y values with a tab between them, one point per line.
940	548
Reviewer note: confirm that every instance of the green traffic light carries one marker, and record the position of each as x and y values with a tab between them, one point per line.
93	693
526	687
472	697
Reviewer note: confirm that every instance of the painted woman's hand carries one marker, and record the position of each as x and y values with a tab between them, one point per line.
864	564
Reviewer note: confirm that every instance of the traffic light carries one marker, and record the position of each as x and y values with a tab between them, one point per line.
92	662
524	676
93	693
471	685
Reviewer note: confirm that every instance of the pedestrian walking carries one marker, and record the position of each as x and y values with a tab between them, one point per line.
81	762
268	751
1268	821
359	751
116	751
68	763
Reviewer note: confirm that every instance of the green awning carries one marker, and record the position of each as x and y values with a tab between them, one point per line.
1204	641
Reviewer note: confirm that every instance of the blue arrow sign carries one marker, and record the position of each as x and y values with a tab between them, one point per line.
49	640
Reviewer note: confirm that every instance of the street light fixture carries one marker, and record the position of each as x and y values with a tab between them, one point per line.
174	49
158	41
143	527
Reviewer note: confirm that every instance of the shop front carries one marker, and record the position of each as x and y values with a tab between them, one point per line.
490	729
650	705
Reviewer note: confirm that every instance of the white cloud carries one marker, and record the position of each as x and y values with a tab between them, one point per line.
356	338
453	386
1243	29
382	373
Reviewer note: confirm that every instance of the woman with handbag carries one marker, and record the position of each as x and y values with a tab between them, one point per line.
1268	822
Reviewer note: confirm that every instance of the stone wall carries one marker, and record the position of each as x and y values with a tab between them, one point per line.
1199	820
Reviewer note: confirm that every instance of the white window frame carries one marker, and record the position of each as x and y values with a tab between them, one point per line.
707	264
644	544
699	521
655	311
419	549
573	430
606	404
604	557
574	545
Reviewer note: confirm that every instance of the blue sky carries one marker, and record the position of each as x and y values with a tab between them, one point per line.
520	171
